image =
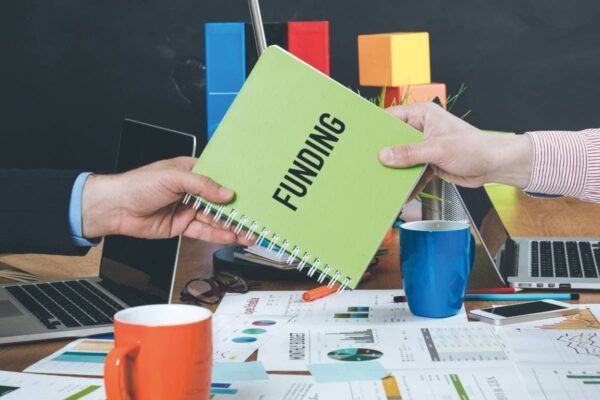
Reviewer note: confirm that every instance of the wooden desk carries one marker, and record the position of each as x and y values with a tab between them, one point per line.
521	214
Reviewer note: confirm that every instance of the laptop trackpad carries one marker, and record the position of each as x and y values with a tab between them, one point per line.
8	309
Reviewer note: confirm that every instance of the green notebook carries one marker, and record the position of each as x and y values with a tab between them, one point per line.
300	151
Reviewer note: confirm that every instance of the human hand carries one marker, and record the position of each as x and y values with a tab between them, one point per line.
459	152
145	203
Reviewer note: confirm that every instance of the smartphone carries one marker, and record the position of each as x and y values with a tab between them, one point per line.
522	312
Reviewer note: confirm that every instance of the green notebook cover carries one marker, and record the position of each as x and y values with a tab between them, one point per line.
300	151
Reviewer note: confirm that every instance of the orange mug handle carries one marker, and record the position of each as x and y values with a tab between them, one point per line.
113	370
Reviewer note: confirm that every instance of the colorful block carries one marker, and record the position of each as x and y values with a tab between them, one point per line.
309	41
394	59
276	33
225	57
395	96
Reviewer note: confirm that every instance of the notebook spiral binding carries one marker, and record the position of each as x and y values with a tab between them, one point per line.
219	213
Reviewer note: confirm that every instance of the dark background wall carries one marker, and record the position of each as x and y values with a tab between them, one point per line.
71	70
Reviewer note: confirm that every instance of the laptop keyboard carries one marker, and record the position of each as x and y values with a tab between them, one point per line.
569	259
67	304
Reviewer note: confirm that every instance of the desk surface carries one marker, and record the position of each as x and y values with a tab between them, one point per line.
522	215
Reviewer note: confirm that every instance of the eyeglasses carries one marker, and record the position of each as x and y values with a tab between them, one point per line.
211	290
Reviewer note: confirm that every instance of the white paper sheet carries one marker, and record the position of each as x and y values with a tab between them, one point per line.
555	346
492	383
297	387
15	385
236	337
351	307
395	346
83	357
561	382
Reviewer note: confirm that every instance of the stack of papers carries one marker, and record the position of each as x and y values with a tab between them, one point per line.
360	345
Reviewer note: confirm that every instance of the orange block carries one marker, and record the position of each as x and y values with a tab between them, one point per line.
394	59
399	95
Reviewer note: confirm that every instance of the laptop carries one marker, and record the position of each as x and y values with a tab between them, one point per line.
531	262
132	271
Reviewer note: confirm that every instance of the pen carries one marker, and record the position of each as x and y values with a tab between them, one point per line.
319	292
494	290
510	297
523	296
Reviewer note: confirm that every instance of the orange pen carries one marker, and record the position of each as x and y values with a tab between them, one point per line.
319	292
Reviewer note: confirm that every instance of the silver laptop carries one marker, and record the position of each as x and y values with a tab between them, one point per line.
531	262
132	271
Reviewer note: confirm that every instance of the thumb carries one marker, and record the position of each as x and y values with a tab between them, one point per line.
189	182
407	156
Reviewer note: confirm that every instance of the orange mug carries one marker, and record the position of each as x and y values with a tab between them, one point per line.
161	351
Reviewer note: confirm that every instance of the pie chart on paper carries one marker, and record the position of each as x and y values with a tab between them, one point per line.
354	354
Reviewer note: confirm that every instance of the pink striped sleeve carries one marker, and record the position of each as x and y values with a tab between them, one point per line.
566	163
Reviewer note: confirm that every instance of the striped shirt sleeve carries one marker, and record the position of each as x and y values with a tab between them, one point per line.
566	163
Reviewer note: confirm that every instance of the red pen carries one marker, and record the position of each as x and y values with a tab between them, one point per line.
319	292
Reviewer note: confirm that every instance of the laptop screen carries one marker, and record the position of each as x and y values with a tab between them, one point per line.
487	222
141	271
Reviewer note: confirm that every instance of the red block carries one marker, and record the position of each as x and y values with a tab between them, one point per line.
309	41
415	94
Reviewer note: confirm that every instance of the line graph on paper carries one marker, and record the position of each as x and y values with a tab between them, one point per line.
582	343
564	346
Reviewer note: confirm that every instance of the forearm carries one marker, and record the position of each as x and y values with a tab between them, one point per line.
566	163
100	207
510	159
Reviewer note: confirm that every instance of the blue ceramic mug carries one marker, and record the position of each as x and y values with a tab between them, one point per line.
436	258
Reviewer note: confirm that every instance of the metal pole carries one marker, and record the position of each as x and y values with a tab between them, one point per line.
257	26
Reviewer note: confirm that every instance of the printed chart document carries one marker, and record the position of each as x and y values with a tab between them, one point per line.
297	387
83	357
555	346
561	382
364	307
461	384
236	337
395	347
19	386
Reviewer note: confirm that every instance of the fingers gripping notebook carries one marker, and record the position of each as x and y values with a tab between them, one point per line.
300	151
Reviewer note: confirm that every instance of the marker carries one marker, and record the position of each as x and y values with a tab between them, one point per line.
494	290
510	297
319	292
522	296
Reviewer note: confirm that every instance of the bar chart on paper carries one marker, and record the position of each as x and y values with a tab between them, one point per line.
460	384
83	357
568	383
297	387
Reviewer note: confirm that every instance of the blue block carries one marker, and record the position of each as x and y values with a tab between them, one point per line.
216	106
225	57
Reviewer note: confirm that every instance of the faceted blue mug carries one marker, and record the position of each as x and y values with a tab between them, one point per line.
436	258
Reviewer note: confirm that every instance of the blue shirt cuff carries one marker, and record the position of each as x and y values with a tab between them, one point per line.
75	220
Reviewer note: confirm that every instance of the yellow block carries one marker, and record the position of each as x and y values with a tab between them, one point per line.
394	59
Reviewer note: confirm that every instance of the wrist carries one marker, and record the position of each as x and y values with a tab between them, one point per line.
511	160
100	208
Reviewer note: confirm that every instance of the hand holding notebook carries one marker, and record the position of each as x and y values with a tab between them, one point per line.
300	151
